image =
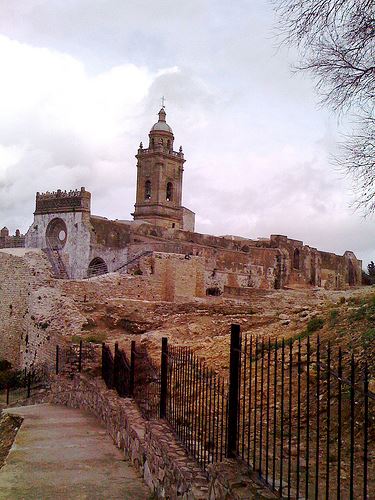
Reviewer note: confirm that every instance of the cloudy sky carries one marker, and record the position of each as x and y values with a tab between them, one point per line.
80	87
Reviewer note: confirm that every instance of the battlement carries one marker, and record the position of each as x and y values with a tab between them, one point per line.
63	201
9	241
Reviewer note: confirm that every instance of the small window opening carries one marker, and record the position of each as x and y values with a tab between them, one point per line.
296	259
147	190
169	194
213	291
173	225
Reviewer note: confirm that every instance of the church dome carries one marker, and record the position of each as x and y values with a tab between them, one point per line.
161	125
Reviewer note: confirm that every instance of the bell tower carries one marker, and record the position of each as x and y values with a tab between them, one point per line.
159	179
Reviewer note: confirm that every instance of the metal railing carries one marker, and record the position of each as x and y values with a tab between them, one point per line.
196	406
298	413
304	417
24	386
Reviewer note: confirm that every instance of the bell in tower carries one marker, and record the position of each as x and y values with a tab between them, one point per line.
159	180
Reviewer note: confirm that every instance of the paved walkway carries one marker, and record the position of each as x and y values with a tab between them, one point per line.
64	454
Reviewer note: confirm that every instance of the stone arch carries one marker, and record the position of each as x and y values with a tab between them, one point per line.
148	190
56	234
97	267
296	259
169	192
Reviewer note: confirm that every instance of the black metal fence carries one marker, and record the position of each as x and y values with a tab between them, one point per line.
147	384
138	378
196	405
74	357
300	414
305	420
25	385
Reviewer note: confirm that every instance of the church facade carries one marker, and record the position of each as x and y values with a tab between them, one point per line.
81	245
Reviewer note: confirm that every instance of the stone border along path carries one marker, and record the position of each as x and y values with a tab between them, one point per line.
63	453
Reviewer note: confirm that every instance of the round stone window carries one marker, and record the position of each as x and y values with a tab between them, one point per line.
56	234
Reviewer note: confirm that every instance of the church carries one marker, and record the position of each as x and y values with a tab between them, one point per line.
80	245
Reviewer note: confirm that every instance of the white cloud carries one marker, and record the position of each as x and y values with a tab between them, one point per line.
80	88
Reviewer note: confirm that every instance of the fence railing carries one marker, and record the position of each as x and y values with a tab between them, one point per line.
138	378
300	414
196	406
67	359
74	357
24	386
305	419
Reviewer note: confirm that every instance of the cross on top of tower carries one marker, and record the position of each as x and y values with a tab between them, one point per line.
163	102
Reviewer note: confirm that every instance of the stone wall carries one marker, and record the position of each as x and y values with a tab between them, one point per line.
30	308
165	277
152	448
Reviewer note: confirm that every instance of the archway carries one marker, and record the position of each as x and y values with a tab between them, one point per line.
97	267
56	234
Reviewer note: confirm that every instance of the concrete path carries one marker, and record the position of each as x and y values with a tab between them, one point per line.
64	454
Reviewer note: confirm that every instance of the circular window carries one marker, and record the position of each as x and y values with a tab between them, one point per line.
56	234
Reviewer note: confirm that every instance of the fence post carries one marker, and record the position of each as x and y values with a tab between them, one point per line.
80	357
132	367
8	390
57	359
28	384
163	377
234	367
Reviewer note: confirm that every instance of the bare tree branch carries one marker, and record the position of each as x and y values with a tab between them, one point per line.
336	39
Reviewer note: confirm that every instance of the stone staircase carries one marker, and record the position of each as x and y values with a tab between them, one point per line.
58	266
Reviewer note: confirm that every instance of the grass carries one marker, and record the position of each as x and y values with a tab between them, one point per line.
333	317
368	337
96	338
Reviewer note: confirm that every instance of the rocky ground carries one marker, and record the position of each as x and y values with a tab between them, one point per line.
346	318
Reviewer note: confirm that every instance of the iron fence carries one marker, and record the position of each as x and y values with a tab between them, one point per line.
25	385
107	366
147	384
305	420
299	413
196	405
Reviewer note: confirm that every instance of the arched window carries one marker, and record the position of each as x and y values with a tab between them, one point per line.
296	259
168	144
97	267
169	193
147	190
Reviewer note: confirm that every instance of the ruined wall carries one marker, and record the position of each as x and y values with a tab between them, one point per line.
11	241
305	266
31	309
164	277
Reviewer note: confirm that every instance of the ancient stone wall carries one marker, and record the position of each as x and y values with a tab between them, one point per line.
36	313
11	241
30	309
